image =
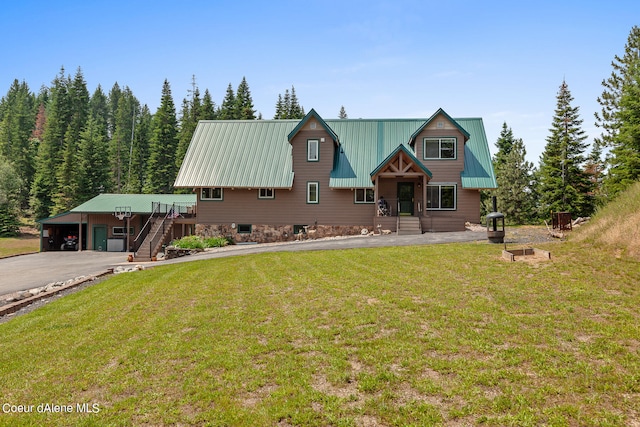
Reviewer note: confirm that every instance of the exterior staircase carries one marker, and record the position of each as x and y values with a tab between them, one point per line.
151	245
408	225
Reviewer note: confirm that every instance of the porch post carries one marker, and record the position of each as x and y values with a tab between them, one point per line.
80	234
424	195
376	196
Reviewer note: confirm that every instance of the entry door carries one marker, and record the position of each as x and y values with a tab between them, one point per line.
99	237
405	198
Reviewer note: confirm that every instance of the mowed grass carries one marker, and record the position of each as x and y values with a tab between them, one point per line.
25	244
427	335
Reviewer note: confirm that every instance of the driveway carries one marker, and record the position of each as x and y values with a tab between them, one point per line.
25	272
35	270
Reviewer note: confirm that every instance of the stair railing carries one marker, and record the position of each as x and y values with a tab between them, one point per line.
155	209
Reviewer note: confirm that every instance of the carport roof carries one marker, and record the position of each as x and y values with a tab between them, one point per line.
139	203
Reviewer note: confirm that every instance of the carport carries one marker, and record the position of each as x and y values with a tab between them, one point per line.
53	231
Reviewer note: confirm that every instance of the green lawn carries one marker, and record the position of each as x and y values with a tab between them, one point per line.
10	246
430	335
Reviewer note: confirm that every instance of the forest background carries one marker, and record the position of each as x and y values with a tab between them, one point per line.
62	145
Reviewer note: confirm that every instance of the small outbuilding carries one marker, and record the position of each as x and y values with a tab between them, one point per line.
117	222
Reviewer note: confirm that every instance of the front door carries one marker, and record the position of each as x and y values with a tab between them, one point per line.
99	237
405	198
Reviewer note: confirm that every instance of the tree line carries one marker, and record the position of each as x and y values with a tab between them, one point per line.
63	146
568	178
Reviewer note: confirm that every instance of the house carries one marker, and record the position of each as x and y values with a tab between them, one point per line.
122	222
268	180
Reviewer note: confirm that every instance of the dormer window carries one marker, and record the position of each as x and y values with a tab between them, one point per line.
313	154
439	148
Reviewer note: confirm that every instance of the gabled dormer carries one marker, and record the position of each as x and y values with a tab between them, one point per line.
314	143
439	138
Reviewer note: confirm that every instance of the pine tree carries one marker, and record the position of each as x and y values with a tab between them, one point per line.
93	175
564	185
51	148
140	153
514	175
65	196
208	110
243	102
343	113
295	110
161	168
228	107
288	107
17	119
619	117
10	189
120	145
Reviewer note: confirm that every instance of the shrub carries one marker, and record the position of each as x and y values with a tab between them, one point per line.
189	242
216	242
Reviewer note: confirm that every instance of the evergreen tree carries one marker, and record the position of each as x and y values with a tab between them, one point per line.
121	142
564	185
514	175
65	196
93	175
228	107
17	119
10	189
51	148
295	109
161	168
114	98
140	153
208	110
619	117
243	102
343	113
288	107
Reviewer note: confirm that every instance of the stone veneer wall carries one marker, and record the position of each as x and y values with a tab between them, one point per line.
269	233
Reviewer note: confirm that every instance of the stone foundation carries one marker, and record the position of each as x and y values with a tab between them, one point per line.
278	233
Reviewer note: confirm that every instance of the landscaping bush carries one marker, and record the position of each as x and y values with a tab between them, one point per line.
189	242
197	242
216	242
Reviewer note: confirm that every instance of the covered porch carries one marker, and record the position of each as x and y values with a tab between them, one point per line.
400	190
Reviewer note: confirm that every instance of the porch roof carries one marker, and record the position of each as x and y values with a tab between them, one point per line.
139	203
408	153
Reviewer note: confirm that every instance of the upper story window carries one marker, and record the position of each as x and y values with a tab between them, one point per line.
440	148
266	193
313	154
364	195
209	193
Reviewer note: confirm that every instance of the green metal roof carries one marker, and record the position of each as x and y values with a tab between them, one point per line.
257	153
306	118
239	153
139	203
478	167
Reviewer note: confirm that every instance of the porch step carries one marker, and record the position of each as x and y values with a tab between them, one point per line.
409	225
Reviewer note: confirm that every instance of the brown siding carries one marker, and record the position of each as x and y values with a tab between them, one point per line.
335	207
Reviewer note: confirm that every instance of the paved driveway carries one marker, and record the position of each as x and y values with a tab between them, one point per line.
34	270
31	271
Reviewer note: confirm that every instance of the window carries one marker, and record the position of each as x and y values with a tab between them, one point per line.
312	150
439	148
312	192
441	196
266	193
244	228
211	194
364	195
120	231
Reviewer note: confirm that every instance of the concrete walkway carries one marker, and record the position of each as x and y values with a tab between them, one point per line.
35	270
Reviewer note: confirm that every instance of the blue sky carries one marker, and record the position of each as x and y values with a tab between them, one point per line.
502	61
